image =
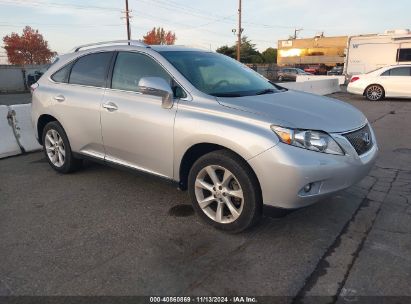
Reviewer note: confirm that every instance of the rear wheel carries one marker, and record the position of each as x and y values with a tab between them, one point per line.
225	192
57	149
374	92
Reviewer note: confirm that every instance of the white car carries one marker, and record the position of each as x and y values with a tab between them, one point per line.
389	81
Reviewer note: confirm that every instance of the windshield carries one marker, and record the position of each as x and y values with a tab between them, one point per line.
218	75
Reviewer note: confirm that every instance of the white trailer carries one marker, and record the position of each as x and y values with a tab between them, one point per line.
366	53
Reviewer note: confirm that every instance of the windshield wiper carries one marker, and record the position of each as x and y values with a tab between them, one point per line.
266	91
227	95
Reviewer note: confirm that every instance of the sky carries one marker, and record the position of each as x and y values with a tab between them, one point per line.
204	24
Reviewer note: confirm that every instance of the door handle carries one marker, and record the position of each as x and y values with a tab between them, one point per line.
59	98
110	106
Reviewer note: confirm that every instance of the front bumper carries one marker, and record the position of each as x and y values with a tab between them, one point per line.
284	170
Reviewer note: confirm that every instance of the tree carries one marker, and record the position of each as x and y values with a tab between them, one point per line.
159	36
270	55
248	52
29	48
229	51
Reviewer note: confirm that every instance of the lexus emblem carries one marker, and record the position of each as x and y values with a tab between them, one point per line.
366	138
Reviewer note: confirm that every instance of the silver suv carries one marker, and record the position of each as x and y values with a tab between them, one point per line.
235	140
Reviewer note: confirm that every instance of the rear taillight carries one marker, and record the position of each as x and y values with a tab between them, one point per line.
354	79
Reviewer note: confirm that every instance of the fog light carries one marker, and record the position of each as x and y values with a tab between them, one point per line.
307	188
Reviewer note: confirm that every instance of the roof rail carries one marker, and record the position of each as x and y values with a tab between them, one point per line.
129	42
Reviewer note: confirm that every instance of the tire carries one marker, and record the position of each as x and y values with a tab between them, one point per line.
57	149
233	201
374	92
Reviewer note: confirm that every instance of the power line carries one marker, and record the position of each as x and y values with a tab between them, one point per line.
217	18
187	10
167	6
18	25
39	3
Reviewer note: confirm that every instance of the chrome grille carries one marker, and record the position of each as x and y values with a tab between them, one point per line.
361	139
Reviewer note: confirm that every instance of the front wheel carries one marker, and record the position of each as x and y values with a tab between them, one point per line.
225	192
374	92
57	149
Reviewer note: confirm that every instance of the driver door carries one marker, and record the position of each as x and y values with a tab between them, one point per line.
137	132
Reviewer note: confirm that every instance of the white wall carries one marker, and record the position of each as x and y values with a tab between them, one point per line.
11	76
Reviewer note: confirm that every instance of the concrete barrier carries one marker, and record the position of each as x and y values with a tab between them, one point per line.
303	78
318	87
24	129
16	131
8	143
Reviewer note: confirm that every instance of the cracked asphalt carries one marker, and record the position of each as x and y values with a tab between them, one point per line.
103	231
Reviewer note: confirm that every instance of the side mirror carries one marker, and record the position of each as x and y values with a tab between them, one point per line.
157	86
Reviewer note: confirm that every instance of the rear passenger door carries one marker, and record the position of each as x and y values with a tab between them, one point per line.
77	98
137	130
397	82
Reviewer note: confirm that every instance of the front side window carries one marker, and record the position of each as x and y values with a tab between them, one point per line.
404	71
131	67
404	55
218	75
91	70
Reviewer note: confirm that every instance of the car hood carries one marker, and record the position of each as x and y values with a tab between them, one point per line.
300	110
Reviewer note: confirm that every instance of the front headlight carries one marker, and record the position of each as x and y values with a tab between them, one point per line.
312	140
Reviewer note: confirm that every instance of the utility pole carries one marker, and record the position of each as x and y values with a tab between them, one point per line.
239	31
128	21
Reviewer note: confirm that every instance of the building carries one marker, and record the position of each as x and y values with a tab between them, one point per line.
329	51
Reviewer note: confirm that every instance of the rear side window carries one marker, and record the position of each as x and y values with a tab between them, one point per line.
62	75
404	71
404	55
91	70
131	67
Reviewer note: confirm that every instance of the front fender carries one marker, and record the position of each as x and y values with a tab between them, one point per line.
243	134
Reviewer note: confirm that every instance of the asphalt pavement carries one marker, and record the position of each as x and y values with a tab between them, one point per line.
103	231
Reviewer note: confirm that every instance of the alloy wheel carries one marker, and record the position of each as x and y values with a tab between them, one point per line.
219	194
55	149
374	92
